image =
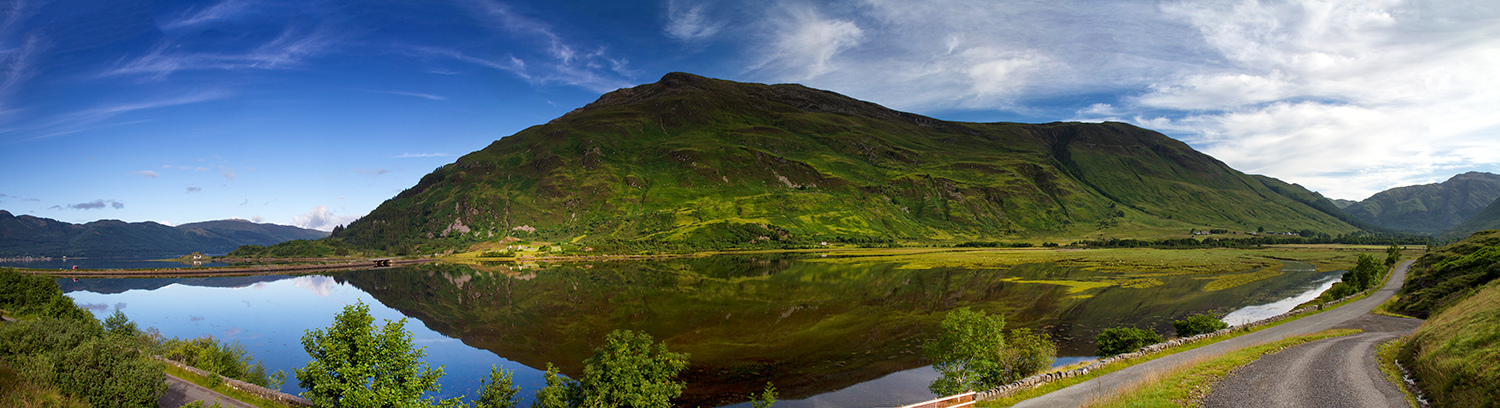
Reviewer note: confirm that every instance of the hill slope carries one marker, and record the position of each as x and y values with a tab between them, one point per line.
33	236
1430	208
1486	219
701	162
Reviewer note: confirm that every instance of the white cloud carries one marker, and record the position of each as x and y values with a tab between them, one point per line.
690	23
257	219
323	219
194	189
1382	93
805	43
318	284
146	173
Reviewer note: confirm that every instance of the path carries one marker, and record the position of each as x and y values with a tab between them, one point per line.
1080	393
180	392
1336	372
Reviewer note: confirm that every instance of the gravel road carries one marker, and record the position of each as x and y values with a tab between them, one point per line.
1100	386
181	392
1336	372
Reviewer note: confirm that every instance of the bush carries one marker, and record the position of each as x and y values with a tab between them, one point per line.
78	360
1198	324
1121	340
226	359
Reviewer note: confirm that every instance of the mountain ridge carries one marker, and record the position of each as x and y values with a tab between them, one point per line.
27	235
1430	208
700	162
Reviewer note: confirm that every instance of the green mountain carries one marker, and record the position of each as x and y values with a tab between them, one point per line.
1430	208
1486	219
33	236
700	162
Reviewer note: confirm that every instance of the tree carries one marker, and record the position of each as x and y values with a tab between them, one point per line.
354	365
498	392
971	353
1198	324
629	370
967	347
1392	255
1121	340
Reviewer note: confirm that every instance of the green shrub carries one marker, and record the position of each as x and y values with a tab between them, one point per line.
1198	324
1121	340
78	360
225	359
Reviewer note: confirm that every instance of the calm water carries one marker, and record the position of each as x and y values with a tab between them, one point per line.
103	263
826	333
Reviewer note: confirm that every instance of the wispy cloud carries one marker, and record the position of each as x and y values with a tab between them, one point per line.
191	190
417	155
100	116
91	205
287	50
374	172
413	94
690	23
7	196
805	42
146	174
561	61
225	10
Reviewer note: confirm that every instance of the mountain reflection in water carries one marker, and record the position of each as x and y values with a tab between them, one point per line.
810	327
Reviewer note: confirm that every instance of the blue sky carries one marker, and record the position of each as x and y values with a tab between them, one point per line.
311	113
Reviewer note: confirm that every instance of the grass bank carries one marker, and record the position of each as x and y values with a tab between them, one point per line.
1455	356
220	387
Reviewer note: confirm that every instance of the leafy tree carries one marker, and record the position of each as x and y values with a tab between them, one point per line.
1121	340
1392	255
967	347
1198	324
627	371
498	392
119	325
971	353
1025	354
354	365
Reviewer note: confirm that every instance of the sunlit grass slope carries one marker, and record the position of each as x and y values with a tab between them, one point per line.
695	162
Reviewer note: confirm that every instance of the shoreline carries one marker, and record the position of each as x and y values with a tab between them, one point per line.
224	271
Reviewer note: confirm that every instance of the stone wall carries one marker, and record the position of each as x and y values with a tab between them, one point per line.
248	388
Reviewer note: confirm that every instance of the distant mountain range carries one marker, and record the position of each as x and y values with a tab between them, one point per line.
701	162
1432	208
33	236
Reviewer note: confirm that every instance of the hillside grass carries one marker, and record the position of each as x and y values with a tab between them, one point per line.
1455	356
